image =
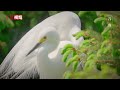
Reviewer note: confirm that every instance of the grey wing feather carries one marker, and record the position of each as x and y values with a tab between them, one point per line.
28	70
9	59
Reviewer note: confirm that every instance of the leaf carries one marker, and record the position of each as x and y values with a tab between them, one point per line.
93	39
82	13
85	43
111	19
91	56
74	53
105	43
75	65
90	66
66	47
104	23
84	34
105	33
68	63
78	35
67	75
100	51
100	19
107	49
66	54
89	52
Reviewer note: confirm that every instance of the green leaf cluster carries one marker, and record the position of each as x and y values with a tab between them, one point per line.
101	45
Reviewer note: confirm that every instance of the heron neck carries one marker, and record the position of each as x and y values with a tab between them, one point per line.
47	68
43	55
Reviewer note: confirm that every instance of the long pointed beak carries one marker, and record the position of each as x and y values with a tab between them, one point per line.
35	47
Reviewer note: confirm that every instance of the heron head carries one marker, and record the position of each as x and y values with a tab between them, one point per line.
49	39
50	35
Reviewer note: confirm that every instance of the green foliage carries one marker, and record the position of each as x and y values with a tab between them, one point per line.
75	65
100	19
67	75
5	22
71	60
101	47
66	47
66	54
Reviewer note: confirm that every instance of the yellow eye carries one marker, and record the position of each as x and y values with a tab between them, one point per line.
43	39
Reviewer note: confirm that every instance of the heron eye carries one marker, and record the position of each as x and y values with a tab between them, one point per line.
45	37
